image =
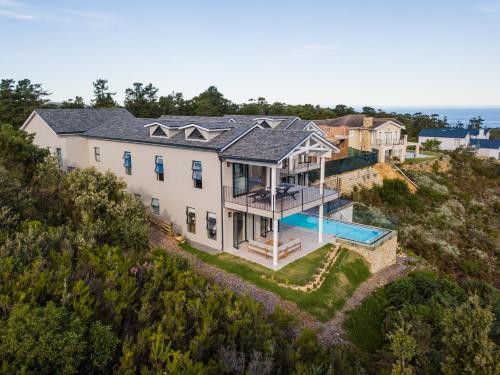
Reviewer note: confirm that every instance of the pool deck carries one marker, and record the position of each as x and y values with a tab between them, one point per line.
287	233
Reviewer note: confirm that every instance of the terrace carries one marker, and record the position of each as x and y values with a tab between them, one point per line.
289	199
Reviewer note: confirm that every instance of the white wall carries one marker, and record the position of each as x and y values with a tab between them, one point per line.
488	153
73	148
447	143
177	191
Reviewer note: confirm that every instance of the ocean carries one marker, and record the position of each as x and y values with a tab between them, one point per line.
490	115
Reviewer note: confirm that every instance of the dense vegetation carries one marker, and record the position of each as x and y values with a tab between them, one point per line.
453	221
428	323
17	100
425	324
80	290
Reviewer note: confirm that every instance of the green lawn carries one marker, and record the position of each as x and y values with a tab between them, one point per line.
346	274
433	155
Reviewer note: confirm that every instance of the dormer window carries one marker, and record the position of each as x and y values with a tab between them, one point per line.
196	135
265	125
159	132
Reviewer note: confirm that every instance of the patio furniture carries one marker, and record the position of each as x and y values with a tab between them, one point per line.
261	194
266	249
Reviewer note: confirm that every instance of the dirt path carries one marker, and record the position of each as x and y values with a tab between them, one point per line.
377	280
328	333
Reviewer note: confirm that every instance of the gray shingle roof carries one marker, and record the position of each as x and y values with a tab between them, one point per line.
265	145
133	130
80	120
297	125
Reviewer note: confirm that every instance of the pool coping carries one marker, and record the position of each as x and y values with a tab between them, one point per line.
389	233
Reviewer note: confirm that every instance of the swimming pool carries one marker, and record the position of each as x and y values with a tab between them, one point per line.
349	231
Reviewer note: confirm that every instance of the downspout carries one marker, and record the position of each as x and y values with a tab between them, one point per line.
221	205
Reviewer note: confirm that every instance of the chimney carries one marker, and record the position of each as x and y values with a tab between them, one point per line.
367	122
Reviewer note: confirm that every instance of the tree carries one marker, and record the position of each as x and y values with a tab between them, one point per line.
369	111
404	349
43	339
468	348
211	102
103	97
475	123
73	103
142	100
431	144
18	100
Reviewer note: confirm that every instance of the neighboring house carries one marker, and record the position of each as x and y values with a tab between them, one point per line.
450	138
339	136
487	148
479	133
222	181
371	133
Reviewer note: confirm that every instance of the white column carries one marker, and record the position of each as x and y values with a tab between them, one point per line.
275	221
268	177
321	191
275	243
273	188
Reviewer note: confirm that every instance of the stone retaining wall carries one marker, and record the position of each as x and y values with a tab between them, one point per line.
377	259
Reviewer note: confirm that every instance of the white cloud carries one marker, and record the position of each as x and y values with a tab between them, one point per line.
16	10
17	15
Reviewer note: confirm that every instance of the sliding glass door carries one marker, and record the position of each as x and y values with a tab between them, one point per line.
240	179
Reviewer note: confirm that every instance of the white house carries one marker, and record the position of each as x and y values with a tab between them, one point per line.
486	148
450	138
226	183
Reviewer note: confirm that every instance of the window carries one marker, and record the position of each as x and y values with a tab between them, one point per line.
159	132
196	136
97	154
240	179
137	196
303	158
59	157
197	176
191	219
212	225
263	226
159	168
265	125
127	162
155	205
70	168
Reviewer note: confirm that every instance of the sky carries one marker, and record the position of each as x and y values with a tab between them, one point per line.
377	53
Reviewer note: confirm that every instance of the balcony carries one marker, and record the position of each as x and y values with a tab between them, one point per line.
390	141
290	199
300	166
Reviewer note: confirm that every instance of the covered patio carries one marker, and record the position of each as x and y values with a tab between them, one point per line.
288	235
254	186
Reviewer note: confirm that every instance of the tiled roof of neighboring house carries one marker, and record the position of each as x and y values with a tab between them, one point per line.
444	132
486	143
133	130
80	120
356	121
265	145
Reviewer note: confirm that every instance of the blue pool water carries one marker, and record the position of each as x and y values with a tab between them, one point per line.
349	231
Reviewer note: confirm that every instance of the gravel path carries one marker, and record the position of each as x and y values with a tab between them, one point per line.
328	333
